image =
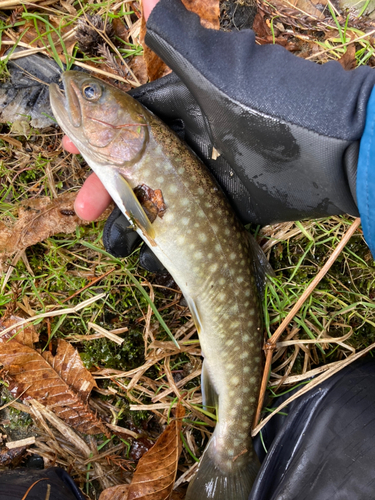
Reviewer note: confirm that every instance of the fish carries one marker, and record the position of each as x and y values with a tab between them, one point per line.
196	235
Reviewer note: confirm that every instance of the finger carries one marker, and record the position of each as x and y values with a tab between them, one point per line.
148	5
92	199
68	145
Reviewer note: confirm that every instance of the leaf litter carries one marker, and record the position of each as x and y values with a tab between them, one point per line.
167	374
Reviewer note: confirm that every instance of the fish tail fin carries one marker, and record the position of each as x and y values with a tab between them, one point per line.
212	483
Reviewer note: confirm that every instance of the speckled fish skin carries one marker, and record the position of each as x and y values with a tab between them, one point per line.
204	247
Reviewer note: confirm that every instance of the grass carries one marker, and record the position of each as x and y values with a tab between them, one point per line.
148	372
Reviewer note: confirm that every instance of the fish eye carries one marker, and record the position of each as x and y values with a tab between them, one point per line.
91	91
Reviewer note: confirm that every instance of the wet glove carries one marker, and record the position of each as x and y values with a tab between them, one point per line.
287	130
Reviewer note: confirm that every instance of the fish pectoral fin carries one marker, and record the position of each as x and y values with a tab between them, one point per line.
210	397
133	208
261	267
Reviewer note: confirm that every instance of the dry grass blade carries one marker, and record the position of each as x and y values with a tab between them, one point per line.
271	343
156	471
316	381
59	312
41	414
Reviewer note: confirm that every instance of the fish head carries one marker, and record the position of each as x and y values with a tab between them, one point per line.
101	120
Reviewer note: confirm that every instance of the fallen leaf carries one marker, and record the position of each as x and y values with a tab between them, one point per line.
260	27
25	334
207	10
60	382
119	492
348	60
13	456
209	13
156	471
39	219
308	6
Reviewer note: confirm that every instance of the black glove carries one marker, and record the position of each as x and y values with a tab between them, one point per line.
287	130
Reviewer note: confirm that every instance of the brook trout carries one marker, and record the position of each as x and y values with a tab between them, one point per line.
199	240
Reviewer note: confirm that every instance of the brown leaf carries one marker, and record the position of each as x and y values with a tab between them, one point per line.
119	492
260	26
25	334
38	219
348	60
309	7
61	382
12	457
207	10
156	471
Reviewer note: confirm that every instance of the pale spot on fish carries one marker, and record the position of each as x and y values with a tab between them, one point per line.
246	369
235	380
252	380
244	355
229	342
202	237
218	247
184	220
232	256
252	400
213	268
230	366
200	190
227	232
184	202
181	239
246	389
209	256
221	281
214	227
247	293
239	279
200	213
160	180
173	188
250	323
246	337
230	452
168	217
181	170
252	312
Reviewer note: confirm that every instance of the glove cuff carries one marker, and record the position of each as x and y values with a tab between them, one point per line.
366	176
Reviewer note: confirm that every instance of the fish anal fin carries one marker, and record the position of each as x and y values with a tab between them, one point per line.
210	397
195	314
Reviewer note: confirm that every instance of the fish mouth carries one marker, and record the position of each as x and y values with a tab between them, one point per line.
67	110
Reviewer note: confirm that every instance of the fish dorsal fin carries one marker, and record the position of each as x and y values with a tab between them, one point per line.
261	267
133	208
210	397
